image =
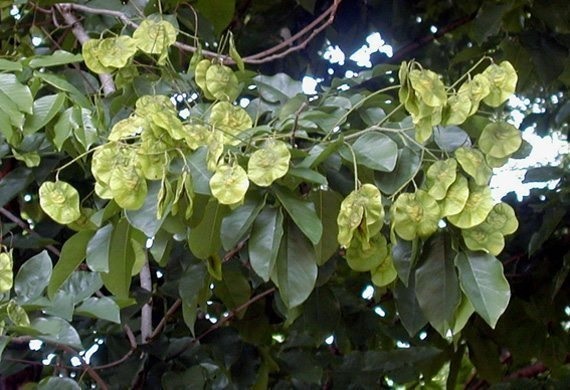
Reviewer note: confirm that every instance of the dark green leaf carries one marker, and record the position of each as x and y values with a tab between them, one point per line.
327	205
408	164
234	289
488	20
295	270
218	12
408	307
45	109
238	222
33	277
543	174
204	239
72	254
264	241
550	221
450	138
405	254
437	286
302	212
373	150
483	282
14	183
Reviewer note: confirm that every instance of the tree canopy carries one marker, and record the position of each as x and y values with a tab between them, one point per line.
178	212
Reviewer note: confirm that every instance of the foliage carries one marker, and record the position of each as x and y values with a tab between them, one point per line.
228	224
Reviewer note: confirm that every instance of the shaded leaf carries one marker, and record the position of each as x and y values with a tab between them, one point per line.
303	214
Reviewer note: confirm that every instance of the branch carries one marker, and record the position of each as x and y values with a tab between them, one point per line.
164	319
423	41
92	373
234	312
146	311
82	37
133	344
26	227
280	50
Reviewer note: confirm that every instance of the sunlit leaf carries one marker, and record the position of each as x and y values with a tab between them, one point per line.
503	81
6	271
154	37
500	139
440	176
473	163
415	215
269	163
229	184
478	205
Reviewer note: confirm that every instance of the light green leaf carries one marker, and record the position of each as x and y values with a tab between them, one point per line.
121	261
296	267
6	271
57	330
154	37
20	94
57	58
45	109
303	214
10	66
33	277
57	383
97	251
265	240
437	286
103	308
204	240
72	254
60	201
483	282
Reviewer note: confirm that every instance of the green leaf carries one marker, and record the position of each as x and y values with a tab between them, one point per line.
542	174
375	151
72	254
236	224
14	183
278	88
438	296
308	175
296	267
234	289
121	261
199	170
81	285
408	307
20	94
57	383
407	165
57	58
33	277
218	12
10	66
144	218
204	240
483	282
303	214
57	330
11	110
103	308
63	85
265	240
45	109
61	306
97	251
327	205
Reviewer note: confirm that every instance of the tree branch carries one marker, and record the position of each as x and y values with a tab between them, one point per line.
234	312
280	50
86	367
146	311
164	319
18	221
66	11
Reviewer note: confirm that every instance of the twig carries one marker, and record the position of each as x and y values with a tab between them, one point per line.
164	319
234	312
26	227
92	373
66	11
133	344
264	56
146	311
